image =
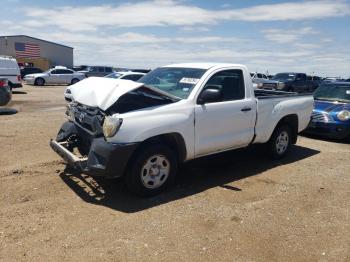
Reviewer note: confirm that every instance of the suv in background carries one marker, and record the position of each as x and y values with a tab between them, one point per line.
9	69
30	70
97	71
258	79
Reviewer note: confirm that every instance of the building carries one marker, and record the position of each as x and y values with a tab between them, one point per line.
36	52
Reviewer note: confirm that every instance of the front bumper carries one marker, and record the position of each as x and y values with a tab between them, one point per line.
330	130
104	159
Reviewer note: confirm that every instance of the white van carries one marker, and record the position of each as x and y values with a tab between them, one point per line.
9	69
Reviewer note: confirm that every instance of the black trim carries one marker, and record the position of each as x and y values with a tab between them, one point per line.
266	94
108	159
12	85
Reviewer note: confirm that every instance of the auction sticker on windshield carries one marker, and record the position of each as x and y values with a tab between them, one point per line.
187	80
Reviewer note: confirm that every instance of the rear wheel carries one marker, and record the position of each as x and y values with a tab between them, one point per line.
39	81
74	81
280	142
152	170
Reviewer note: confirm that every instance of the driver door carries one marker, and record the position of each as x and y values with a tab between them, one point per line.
228	123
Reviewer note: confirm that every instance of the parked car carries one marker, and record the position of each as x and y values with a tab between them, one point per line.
5	92
291	82
9	69
97	71
134	76
30	70
57	75
315	81
331	115
128	75
143	130
259	79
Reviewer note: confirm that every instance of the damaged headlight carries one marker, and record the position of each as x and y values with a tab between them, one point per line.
111	126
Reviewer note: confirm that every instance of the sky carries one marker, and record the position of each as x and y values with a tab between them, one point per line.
311	36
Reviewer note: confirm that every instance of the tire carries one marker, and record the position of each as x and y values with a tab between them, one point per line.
73	142
280	142
74	81
39	82
151	170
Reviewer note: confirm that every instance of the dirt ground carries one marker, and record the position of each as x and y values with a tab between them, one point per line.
237	206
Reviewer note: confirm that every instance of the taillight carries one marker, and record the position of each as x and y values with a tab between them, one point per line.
3	83
19	78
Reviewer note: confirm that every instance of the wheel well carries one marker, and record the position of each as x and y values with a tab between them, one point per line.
292	122
173	140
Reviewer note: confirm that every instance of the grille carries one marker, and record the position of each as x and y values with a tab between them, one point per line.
322	117
88	117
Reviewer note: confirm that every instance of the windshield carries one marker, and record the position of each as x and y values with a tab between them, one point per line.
114	75
284	76
177	81
333	92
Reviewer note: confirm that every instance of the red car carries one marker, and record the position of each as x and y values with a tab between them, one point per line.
5	92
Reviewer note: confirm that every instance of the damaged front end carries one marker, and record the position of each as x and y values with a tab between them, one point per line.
82	143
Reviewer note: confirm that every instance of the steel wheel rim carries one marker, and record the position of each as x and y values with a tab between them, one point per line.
282	142
39	82
155	171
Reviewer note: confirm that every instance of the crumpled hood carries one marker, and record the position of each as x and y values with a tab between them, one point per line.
101	92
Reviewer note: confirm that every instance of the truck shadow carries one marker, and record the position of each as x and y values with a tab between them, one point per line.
194	177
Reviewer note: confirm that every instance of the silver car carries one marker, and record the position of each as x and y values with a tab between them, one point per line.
57	75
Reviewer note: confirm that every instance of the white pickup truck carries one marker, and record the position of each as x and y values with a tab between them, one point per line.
144	130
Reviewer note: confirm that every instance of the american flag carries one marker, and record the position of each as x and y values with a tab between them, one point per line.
27	50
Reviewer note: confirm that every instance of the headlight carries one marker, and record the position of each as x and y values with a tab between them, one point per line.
111	126
343	115
260	85
281	85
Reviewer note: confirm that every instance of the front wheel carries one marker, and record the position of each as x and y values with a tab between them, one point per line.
39	81
280	142
152	170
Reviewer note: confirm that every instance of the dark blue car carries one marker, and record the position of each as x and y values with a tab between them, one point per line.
331	115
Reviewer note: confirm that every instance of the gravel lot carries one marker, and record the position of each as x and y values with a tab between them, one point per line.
237	206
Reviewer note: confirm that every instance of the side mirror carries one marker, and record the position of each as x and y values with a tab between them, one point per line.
209	95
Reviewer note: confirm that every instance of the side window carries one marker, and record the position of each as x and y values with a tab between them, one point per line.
93	69
65	72
230	82
54	72
132	77
260	75
108	70
101	69
301	77
265	77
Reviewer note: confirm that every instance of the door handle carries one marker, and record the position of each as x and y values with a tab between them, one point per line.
246	109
